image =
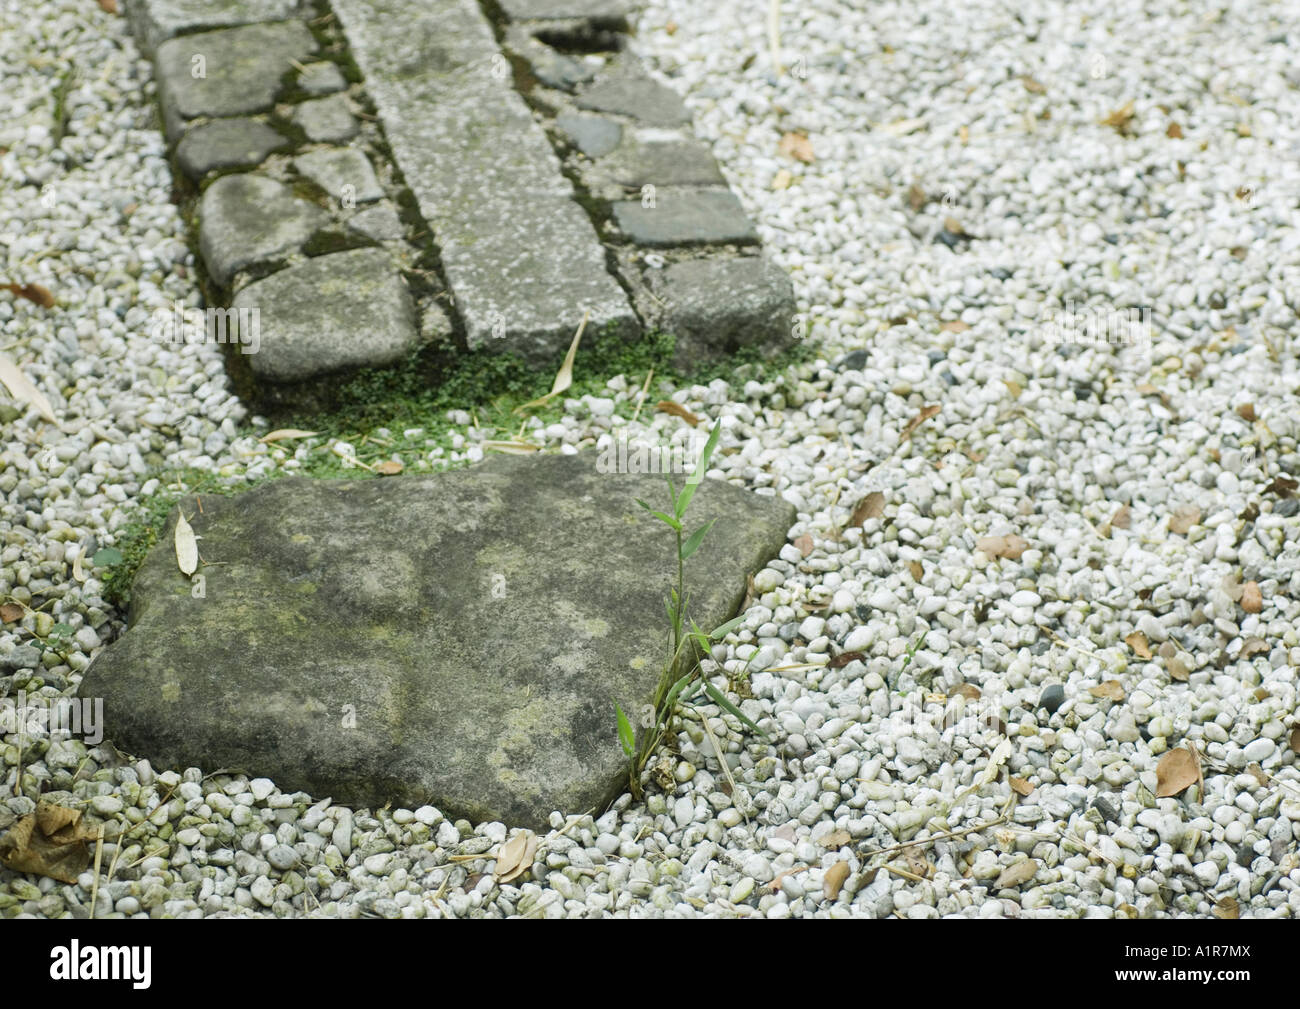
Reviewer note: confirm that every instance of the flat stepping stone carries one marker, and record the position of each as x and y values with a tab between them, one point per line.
243	69
321	79
686	216
326	120
595	136
652	158
635	94
345	310
155	21
227	143
549	10
344	173
379	223
521	257
458	639
715	307
250	220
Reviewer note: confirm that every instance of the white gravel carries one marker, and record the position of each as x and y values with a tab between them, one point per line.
970	113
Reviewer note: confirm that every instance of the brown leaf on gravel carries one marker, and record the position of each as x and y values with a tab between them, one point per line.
916	569
11	613
1295	739
49	842
925	414
844	658
1032	86
32	292
1178	769
782	179
1111	690
1177	669
1174	132
833	880
1282	486
1138	642
1021	786
1182	520
389	467
1252	599
797	146
805	544
968	691
515	857
1121	120
1014	875
1252	647
108	6
1227	909
836	839
1123	517
916	198
1010	547
954	326
1247	412
870	507
677	410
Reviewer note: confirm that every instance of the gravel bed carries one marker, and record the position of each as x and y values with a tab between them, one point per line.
963	193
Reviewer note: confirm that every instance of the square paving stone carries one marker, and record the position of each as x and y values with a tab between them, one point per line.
241	71
321	79
379	223
611	11
595	136
250	220
335	169
684	215
715	307
660	158
326	120
346	310
631	92
155	21
227	143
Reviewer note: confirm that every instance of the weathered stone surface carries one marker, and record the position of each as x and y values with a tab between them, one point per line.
346	310
335	169
242	68
379	223
686	216
458	639
226	143
626	90
659	159
321	79
247	220
551	68
595	136
155	21
520	255
326	120
542	10
716	307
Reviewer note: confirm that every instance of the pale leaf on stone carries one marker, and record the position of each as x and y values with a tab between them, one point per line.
833	880
187	546
1015	875
1178	769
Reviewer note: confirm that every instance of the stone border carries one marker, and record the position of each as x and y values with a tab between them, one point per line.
317	195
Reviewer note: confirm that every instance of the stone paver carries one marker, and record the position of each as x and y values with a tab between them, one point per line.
249	220
227	143
242	71
379	223
321	79
345	310
458	639
155	21
685	216
343	172
539	10
521	257
595	136
627	90
653	158
327	120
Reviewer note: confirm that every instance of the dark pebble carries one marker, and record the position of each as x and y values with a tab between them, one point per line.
936	356
1287	507
1000	273
948	377
1106	808
855	360
1052	697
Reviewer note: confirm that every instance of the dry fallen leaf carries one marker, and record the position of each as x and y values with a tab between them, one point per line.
844	658
1257	772
833	880
797	146
11	613
563	377
677	410
1111	690
1123	517
917	863
1032	86
1177	669
1021	785
1227	909
1247	412
1178	769
805	544
285	432
515	857
782	179
780	877
1182	520
108	6
1121	119
968	691
836	839
1010	547
1282	486
1014	875
22	389
870	507
50	842
954	227
1252	599
1252	647
1295	739
1138	642
917	569
916	198
77	573
954	326
389	467
1174	132
187	547
925	414
32	292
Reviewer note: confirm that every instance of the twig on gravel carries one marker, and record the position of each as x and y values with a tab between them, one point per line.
774	35
936	837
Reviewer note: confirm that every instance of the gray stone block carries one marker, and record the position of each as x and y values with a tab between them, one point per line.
242	70
249	220
547	10
686	216
345	310
595	136
659	159
155	21
715	307
626	90
321	79
458	639
227	143
335	169
379	223
326	120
